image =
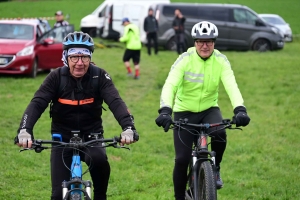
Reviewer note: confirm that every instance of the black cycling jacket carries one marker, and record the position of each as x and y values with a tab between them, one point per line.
77	107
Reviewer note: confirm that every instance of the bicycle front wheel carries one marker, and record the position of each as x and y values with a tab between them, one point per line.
206	182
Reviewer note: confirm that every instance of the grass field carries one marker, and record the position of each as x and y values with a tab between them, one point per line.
288	9
262	162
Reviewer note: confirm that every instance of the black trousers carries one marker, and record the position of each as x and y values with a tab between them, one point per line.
184	140
99	172
152	36
180	43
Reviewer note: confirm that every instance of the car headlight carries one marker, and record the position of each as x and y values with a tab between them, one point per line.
26	51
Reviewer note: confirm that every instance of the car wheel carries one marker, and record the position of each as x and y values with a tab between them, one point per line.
261	45
34	69
93	32
171	44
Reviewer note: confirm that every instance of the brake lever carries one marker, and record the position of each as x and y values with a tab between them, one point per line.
235	128
24	149
123	147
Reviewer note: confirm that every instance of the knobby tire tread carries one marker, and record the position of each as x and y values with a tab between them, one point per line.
206	182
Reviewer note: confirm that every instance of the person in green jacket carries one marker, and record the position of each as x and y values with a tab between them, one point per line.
131	37
191	91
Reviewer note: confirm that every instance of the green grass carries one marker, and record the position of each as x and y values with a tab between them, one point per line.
260	163
288	9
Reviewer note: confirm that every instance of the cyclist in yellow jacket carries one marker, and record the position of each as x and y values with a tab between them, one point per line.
191	91
131	37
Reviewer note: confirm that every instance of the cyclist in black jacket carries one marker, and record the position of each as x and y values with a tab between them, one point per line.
77	107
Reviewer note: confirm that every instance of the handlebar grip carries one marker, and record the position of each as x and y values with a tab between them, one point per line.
136	136
117	138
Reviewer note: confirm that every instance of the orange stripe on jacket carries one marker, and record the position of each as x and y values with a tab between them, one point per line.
76	102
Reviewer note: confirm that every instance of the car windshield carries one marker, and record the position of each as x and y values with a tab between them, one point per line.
16	31
274	20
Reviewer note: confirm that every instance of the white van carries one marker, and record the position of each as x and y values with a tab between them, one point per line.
106	20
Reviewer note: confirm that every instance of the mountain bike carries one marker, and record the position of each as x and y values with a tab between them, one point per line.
76	188
201	184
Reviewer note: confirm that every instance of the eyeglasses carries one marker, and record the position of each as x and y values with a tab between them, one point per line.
201	43
84	59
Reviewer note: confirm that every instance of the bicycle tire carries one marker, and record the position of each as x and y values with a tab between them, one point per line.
206	182
75	196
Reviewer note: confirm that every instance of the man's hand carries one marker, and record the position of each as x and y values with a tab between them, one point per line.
164	119
129	135
240	117
25	139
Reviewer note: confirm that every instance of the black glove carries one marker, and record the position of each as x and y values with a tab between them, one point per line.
240	117
164	119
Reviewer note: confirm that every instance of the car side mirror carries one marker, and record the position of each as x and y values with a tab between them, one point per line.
48	41
259	23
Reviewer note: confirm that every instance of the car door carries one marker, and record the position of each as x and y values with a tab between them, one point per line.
242	27
49	49
220	17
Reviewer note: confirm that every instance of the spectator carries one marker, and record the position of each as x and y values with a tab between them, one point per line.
151	28
178	26
131	37
59	17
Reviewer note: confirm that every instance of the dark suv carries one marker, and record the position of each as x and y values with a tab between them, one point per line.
240	28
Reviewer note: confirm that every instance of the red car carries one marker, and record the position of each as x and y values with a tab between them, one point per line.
27	46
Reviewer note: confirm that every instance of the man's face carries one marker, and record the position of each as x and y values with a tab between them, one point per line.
78	64
177	12
59	17
204	47
150	12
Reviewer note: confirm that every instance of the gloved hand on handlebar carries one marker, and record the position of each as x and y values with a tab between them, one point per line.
240	117
24	138
129	135
164	119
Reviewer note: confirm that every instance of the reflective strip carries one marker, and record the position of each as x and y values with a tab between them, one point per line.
193	80
193	77
222	56
193	74
180	58
76	102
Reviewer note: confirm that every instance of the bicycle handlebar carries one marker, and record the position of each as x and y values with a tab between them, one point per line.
37	144
226	122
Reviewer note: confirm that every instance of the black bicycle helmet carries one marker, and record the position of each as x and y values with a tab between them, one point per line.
78	39
204	30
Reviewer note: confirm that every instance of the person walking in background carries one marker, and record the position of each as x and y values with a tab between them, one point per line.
132	39
178	26
59	17
151	28
191	91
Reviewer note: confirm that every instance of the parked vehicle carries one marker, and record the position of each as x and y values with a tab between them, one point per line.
106	20
26	46
279	22
240	28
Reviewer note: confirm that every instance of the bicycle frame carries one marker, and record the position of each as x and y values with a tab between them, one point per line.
76	183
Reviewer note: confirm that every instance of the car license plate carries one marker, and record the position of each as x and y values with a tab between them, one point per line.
3	60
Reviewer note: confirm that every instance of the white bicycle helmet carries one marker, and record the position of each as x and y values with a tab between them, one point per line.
204	30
